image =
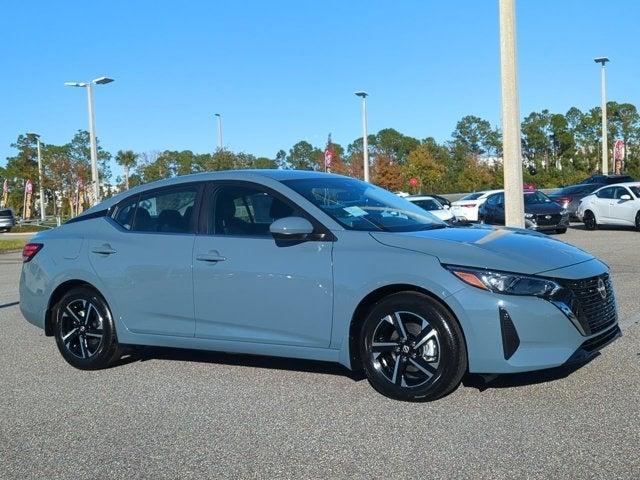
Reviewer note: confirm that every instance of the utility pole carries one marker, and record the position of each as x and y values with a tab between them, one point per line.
603	108
365	140
219	130
512	155
40	186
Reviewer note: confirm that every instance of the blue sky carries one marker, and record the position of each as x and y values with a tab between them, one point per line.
282	71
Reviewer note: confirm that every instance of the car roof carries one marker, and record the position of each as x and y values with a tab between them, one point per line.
419	197
241	175
621	184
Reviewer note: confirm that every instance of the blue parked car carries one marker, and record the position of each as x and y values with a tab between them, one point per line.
315	266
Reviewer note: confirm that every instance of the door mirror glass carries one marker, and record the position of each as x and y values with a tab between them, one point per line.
446	207
625	197
291	228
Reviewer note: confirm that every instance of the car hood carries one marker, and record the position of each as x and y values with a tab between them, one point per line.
538	208
506	249
442	214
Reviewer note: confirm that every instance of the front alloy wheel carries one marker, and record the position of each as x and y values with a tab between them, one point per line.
412	348
84	330
590	222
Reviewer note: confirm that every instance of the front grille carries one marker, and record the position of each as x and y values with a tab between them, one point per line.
553	220
594	312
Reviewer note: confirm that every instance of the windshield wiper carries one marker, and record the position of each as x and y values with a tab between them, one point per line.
435	226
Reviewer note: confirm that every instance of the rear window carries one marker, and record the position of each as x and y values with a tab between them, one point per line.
472	196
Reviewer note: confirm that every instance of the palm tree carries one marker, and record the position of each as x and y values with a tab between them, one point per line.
127	159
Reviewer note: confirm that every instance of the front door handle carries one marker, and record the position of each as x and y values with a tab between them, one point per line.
104	249
211	257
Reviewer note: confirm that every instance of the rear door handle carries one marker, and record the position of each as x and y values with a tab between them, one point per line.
103	250
211	257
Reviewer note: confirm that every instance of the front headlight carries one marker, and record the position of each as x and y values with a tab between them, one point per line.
506	283
529	215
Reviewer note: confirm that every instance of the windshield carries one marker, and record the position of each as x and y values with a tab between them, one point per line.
357	205
535	198
472	196
635	190
428	204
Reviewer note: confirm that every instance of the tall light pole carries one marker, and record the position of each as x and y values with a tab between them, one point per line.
365	140
38	143
512	155
92	130
219	117
603	108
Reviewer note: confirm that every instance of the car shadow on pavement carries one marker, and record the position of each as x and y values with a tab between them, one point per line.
511	380
143	354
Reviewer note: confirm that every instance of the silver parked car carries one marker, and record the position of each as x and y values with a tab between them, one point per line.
316	266
7	220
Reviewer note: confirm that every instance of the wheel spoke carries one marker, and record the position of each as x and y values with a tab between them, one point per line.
398	370
94	333
426	333
397	322
73	314
380	347
69	335
422	365
83	347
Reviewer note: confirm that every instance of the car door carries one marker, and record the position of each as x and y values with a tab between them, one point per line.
488	209
248	287
601	203
622	210
144	260
498	215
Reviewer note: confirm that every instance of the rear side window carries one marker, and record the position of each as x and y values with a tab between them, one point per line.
606	192
167	211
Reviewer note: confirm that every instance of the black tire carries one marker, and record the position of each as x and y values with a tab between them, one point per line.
638	221
561	230
590	222
84	330
430	370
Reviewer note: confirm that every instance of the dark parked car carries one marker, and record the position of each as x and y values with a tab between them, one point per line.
608	179
7	220
569	197
540	212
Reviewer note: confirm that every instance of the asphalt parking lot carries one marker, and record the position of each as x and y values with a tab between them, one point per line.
174	414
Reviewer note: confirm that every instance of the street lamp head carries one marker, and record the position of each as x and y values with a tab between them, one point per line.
102	80
601	60
217	115
362	94
75	84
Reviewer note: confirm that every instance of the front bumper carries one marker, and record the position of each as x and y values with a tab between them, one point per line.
533	225
7	223
544	336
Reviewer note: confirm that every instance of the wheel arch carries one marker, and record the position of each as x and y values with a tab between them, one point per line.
365	305
55	297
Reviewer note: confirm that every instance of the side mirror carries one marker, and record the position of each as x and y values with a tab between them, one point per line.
291	228
446	207
625	198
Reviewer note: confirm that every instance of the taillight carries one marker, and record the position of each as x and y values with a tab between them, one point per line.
29	251
467	205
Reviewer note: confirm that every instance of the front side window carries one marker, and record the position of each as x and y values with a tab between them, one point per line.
246	211
357	205
125	212
472	196
619	192
166	211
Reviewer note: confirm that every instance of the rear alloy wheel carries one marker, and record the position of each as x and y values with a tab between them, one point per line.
638	221
84	330
412	348
590	222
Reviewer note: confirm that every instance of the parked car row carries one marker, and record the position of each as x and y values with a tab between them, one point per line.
598	200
